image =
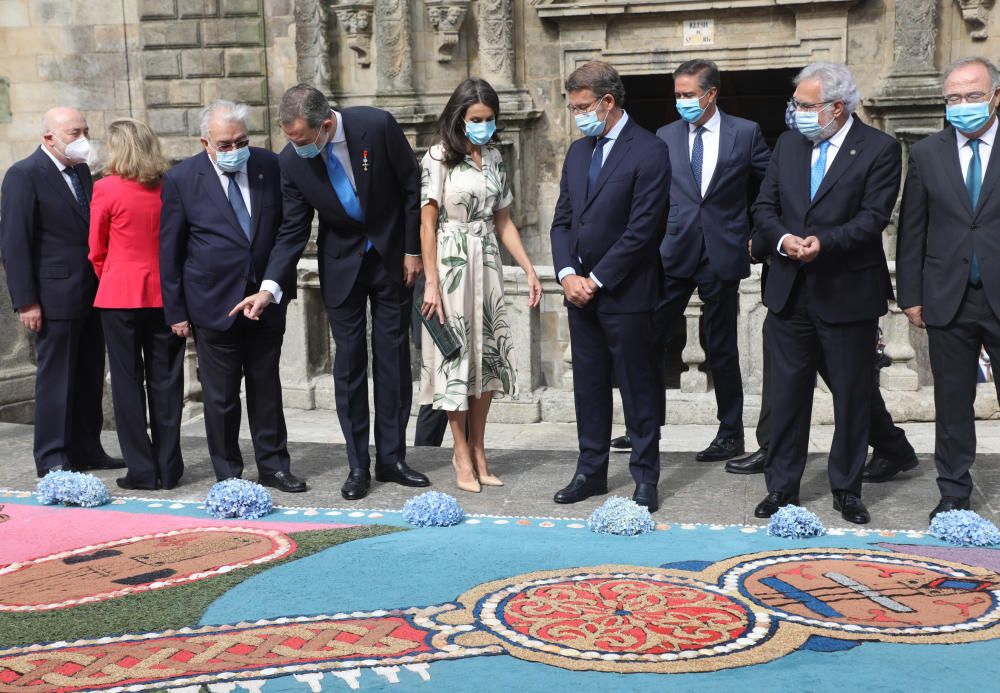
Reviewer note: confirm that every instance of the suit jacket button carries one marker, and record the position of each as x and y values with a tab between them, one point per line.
965	261
973	227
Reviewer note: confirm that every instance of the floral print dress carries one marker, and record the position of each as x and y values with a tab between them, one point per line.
470	273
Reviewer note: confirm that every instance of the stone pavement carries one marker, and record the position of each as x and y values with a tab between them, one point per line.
537	459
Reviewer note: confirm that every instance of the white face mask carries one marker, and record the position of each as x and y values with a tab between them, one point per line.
76	151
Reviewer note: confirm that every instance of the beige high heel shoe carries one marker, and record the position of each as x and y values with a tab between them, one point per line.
470	486
490	480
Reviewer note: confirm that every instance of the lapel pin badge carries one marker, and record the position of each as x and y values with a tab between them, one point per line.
260	176
364	161
853	152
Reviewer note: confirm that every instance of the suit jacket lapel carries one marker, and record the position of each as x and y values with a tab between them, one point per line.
578	173
949	154
727	142
256	181
357	146
213	188
846	155
990	179
617	154
54	177
679	143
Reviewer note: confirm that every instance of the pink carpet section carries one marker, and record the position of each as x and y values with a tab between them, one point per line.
32	531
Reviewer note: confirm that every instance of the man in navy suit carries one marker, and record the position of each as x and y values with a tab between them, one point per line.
221	213
827	196
718	162
44	225
607	228
355	168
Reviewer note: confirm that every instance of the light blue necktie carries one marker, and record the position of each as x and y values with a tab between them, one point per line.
238	205
974	183
818	169
345	191
697	157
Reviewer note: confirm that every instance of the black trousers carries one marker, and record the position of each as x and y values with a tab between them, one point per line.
251	350
601	342
954	355
69	388
722	306
795	338
146	361
885	437
390	308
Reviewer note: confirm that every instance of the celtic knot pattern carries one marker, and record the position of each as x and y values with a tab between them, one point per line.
626	615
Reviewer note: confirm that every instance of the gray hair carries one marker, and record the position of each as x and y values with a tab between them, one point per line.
227	111
836	83
962	62
600	78
303	101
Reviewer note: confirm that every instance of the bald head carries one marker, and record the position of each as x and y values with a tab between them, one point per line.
60	126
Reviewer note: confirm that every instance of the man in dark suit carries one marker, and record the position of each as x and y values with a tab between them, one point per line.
949	236
221	213
356	169
607	228
44	225
827	197
718	162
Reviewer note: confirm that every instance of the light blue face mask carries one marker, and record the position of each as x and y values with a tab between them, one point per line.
589	124
807	122
690	110
234	160
311	150
480	133
969	117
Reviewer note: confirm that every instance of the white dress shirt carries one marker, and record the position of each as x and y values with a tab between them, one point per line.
836	140
710	147
243	182
62	169
612	137
340	150
985	148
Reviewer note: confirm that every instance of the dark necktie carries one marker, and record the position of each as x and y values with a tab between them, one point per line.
974	183
81	198
697	157
238	205
596	161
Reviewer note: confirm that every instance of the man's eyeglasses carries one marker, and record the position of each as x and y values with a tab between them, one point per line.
577	110
805	106
230	146
971	97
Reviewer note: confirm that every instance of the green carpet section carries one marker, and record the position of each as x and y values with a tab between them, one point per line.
163	609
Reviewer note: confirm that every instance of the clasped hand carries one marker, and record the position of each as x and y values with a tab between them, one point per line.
579	290
803	249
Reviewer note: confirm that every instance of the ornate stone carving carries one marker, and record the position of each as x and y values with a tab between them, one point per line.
976	14
356	20
392	35
915	36
445	16
496	41
311	45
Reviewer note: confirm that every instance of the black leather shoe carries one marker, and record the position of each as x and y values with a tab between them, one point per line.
356	486
56	468
881	468
105	462
949	503
751	464
645	495
400	474
851	508
283	481
721	449
129	485
621	444
773	502
581	488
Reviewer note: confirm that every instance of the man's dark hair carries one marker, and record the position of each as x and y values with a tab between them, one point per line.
706	71
303	101
601	78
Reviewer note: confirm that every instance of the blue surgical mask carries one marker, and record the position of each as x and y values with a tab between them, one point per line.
968	117
480	133
807	122
234	160
690	110
589	124
311	150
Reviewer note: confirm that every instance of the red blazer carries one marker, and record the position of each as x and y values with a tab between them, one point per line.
125	243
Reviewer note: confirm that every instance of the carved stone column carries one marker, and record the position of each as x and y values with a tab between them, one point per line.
312	49
392	39
445	17
496	42
693	380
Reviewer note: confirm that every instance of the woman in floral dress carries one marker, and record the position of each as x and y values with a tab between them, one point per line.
465	208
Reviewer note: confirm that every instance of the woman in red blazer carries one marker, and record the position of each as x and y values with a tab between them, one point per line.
146	358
